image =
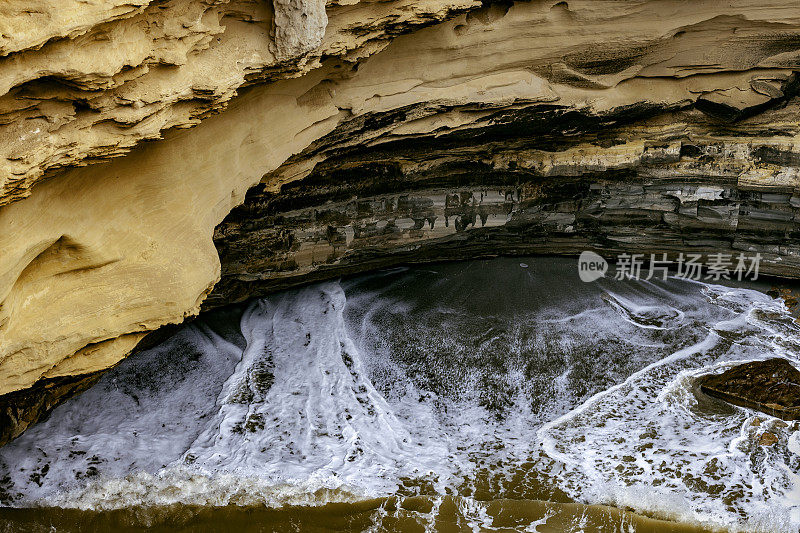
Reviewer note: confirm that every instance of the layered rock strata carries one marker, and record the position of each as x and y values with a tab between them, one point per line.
609	125
417	203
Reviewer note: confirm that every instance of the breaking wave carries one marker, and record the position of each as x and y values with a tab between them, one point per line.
464	384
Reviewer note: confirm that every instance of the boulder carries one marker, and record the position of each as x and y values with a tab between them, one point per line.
771	386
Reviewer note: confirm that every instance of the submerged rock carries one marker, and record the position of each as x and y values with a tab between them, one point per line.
767	439
771	386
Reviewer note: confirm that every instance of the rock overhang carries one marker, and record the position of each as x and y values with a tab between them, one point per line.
534	127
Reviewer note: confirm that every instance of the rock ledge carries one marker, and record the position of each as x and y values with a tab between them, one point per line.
771	386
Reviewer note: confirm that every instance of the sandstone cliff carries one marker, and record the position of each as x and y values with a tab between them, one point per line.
368	133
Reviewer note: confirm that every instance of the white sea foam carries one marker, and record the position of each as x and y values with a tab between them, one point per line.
650	443
296	415
428	382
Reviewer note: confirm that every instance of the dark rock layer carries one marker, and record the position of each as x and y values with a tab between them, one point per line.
542	181
18	410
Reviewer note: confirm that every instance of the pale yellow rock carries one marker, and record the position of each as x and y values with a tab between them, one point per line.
109	86
93	356
73	280
30	23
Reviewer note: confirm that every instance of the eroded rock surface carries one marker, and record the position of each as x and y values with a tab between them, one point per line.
771	386
374	133
415	202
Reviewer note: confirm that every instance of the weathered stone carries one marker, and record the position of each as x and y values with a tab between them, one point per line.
737	103
771	386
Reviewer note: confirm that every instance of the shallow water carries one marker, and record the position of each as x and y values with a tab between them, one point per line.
500	395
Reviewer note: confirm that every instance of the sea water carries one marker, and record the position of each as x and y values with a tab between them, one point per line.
500	395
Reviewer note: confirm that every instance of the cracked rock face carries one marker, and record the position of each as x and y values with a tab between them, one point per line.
367	133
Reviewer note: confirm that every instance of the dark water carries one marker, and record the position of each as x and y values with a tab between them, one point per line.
501	395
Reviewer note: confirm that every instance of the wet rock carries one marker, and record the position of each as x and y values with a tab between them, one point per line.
767	439
20	409
789	295
771	386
